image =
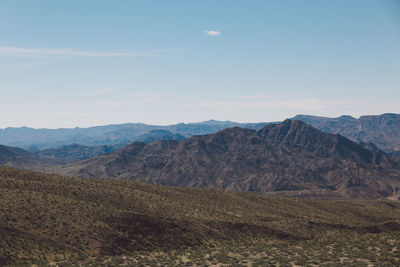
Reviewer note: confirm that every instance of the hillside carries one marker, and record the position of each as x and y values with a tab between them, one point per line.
382	130
291	158
61	220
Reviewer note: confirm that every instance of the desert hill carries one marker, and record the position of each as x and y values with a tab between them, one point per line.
88	222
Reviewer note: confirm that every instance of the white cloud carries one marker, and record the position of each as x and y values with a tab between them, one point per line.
213	33
18	51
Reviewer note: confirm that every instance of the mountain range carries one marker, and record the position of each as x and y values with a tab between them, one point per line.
382	130
290	158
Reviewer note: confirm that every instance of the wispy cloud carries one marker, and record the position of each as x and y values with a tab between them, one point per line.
105	90
112	89
18	51
250	102
213	33
101	91
147	94
66	113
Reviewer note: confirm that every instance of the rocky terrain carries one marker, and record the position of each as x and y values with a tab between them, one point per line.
382	130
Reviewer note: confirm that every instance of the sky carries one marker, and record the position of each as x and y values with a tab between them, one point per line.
85	63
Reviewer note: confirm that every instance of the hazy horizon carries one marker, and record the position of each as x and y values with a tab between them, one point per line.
89	63
193	122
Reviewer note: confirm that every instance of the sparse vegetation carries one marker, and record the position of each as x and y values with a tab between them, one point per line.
63	221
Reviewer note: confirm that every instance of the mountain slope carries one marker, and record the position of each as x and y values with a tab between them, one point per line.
86	222
382	130
288	158
17	157
74	152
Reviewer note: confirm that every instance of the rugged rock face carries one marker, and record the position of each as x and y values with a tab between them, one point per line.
382	130
155	135
396	153
290	158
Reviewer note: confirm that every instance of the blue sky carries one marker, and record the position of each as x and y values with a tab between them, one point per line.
83	63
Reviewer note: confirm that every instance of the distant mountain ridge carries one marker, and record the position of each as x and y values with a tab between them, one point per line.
290	158
381	130
39	139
